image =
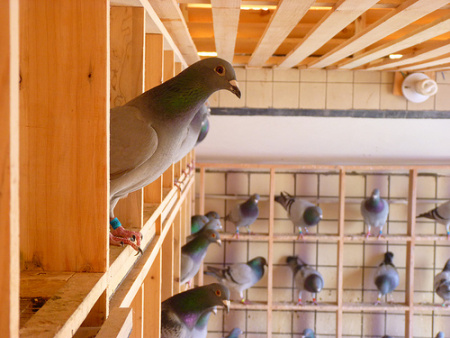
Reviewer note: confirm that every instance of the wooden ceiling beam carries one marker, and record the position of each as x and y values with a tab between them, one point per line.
406	13
282	22
171	16
225	20
427	32
342	14
418	56
429	63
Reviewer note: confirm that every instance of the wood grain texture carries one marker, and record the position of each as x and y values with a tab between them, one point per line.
63	135
138	312
154	52
119	324
152	299
167	270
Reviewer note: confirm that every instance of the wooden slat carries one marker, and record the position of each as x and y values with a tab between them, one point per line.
282	22
418	56
225	21
406	13
9	168
154	52
168	177
169	66
63	134
66	310
423	65
138	310
167	265
270	252
152	299
424	33
177	250
153	193
339	17
178	68
118	325
340	253
170	15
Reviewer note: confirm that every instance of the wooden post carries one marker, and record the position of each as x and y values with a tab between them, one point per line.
169	65
9	168
168	177
138	311
410	246
63	135
340	277
270	252
167	265
152	299
178	68
127	59
177	249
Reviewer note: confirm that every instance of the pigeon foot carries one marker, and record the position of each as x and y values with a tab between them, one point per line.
245	301
299	302
122	241
314	301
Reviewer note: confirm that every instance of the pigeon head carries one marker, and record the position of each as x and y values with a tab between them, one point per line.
308	333
374	203
313	283
283	198
212	215
258	261
216	74
292	261
255	198
388	258
213	224
212	236
312	215
376	193
219	293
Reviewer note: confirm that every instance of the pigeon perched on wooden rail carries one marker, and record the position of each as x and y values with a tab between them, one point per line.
147	133
306	278
302	213
386	277
440	214
193	253
442	283
187	313
234	333
375	211
240	276
244	214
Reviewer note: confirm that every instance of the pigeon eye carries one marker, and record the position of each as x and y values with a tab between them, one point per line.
213	235
220	70
218	293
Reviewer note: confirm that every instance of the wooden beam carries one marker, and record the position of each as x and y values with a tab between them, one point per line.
167	265
225	20
270	252
169	65
418	56
9	168
340	254
118	325
63	134
138	312
339	17
152	299
430	63
424	33
154	53
408	12
282	22
170	15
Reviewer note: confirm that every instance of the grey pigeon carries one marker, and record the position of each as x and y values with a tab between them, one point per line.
185	314
440	214
308	333
204	130
240	276
442	283
386	277
302	213
440	335
234	333
386	337
147	133
306	278
193	253
197	222
375	211
244	214
213	224
201	327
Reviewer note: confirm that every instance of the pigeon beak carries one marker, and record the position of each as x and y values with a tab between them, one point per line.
226	303
235	88
219	242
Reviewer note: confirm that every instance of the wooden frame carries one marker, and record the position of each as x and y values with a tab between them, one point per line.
409	308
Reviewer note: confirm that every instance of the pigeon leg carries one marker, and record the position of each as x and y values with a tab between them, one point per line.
249	231
378	302
243	300
368	232
448	231
178	185
300	234
314	299
299	298
380	234
120	236
236	233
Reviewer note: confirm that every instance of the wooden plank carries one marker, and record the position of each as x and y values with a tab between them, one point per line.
9	168
168	177
138	311
397	87
153	193
406	13
270	253
178	68
63	137
152	299
119	324
170	15
439	61
99	312
42	283
167	270
154	51
177	250
169	65
127	82
336	19
282	22
418	56
225	22
66	310
424	33
340	253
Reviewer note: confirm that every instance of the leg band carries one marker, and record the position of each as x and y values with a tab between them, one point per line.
115	223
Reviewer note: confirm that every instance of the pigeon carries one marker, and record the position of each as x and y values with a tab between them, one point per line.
386	277
386	337
239	276
201	327
193	253
234	333
440	335
442	283
306	278
308	333
147	133
375	211
214	224
199	221
302	213
440	214
203	131
244	214
184	315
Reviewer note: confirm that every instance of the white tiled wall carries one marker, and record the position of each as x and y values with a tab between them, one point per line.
360	259
325	89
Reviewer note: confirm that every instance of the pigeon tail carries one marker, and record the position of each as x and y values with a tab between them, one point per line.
217	273
384	285
432	214
292	261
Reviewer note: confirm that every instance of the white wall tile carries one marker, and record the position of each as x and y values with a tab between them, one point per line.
340	76
366	96
214	99
443	96
241	74
286	75
229	100
389	101
259	74
367	77
426	105
387	77
313	75
443	77
312	95
259	94
339	96
285	94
